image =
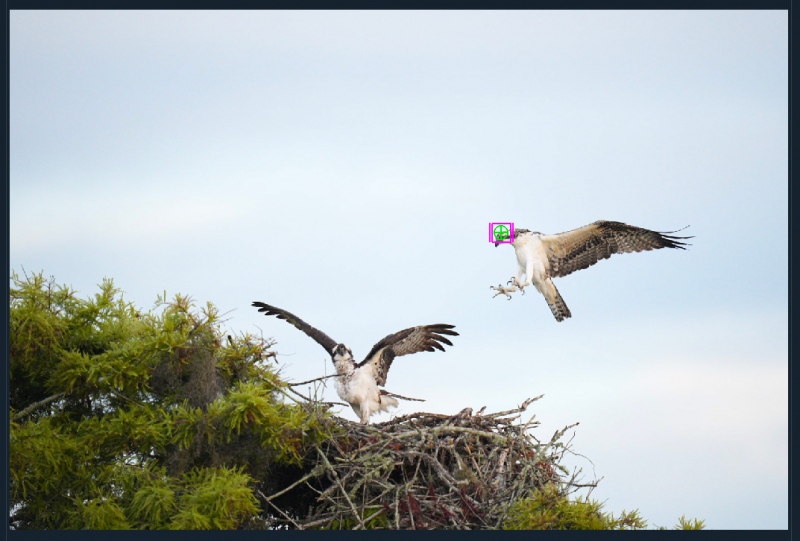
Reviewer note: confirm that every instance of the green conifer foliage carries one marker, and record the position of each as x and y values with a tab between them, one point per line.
123	418
550	509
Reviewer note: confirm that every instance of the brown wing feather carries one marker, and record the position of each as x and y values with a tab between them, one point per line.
317	335
406	342
583	247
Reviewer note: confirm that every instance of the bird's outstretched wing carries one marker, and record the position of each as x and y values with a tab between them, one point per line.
405	342
319	337
583	247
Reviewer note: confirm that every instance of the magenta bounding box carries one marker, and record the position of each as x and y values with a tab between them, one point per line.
501	232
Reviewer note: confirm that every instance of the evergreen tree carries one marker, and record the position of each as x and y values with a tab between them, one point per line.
130	419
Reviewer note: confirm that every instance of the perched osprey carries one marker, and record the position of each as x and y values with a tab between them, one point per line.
358	383
544	257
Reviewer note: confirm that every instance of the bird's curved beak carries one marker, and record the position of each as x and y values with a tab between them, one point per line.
496	244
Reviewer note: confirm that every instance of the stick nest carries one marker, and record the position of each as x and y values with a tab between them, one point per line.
428	471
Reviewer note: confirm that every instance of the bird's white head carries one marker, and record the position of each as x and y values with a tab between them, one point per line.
343	359
342	353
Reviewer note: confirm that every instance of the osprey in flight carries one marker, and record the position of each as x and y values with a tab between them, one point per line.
544	257
357	383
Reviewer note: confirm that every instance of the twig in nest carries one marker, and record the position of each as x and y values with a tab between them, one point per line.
309	399
314	473
312	380
279	510
338	482
520	409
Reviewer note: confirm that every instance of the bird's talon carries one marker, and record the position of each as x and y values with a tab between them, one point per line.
501	290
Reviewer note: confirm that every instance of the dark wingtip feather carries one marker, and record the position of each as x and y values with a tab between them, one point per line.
262	307
675	241
443	340
443	328
268	310
437	332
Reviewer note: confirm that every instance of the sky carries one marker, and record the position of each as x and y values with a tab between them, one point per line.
345	165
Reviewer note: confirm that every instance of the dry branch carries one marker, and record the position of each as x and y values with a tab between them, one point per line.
312	380
36	405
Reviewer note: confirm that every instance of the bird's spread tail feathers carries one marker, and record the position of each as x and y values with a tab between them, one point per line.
387	402
556	302
371	406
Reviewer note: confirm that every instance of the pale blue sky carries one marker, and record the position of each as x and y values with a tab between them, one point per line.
344	166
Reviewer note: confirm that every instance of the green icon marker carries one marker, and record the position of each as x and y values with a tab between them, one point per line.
501	232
